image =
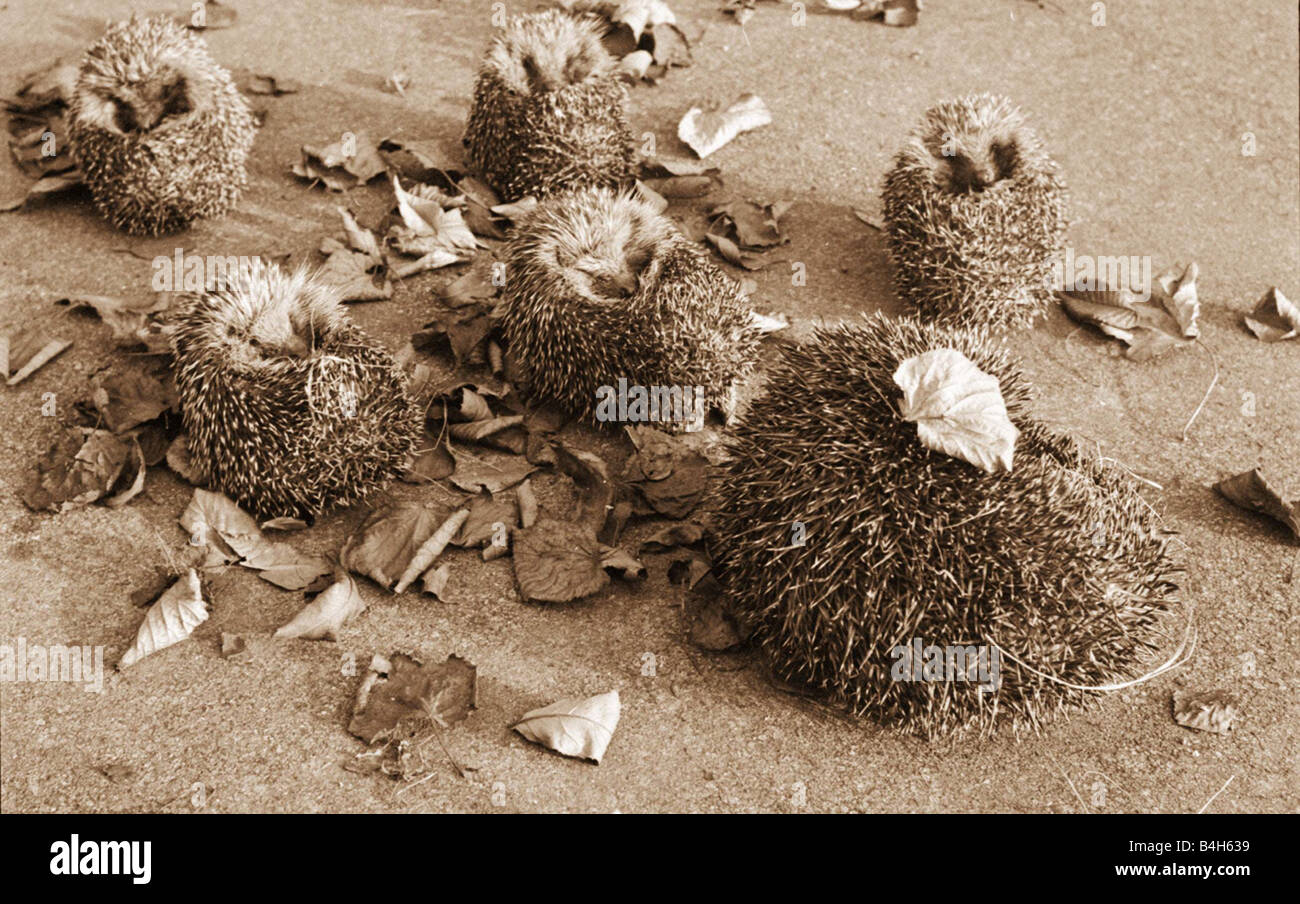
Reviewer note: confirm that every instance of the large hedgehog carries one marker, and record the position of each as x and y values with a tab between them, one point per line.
549	113
975	213
158	128
599	287
841	540
290	408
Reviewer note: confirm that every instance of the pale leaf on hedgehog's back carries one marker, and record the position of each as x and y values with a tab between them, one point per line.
957	408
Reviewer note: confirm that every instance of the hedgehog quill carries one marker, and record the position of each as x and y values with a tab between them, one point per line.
844	542
975	212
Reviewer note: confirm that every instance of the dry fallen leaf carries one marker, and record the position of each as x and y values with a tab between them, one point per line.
957	408
573	727
1251	491
732	254
473	474
669	477
170	620
1176	293
682	533
558	561
215	521
178	459
50	184
400	692
490	521
384	544
1149	328
432	228
755	225
1213	711
351	161
1275	317
434	581
705	132
322	618
80	467
25	351
132	322
127	398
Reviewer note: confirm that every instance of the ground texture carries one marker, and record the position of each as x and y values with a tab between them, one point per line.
1146	117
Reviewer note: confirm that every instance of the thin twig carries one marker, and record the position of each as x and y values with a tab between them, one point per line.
1206	397
1071	781
1217	793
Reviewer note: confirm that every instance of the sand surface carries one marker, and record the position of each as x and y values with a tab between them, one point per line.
1146	117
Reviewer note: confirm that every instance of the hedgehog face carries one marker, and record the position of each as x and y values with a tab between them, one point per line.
976	163
263	314
252	337
141	97
611	256
547	52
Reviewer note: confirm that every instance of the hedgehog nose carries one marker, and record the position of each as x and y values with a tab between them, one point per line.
295	345
626	282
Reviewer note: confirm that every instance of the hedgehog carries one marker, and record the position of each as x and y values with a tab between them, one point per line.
601	292
549	112
847	547
158	128
975	212
290	408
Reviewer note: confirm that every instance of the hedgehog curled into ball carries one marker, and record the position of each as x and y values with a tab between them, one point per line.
549	113
158	128
290	408
599	288
842	541
975	213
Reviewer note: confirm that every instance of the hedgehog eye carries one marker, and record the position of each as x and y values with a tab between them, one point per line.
176	101
536	82
1006	155
124	116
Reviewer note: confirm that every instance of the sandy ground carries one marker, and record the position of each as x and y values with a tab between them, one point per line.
1146	116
